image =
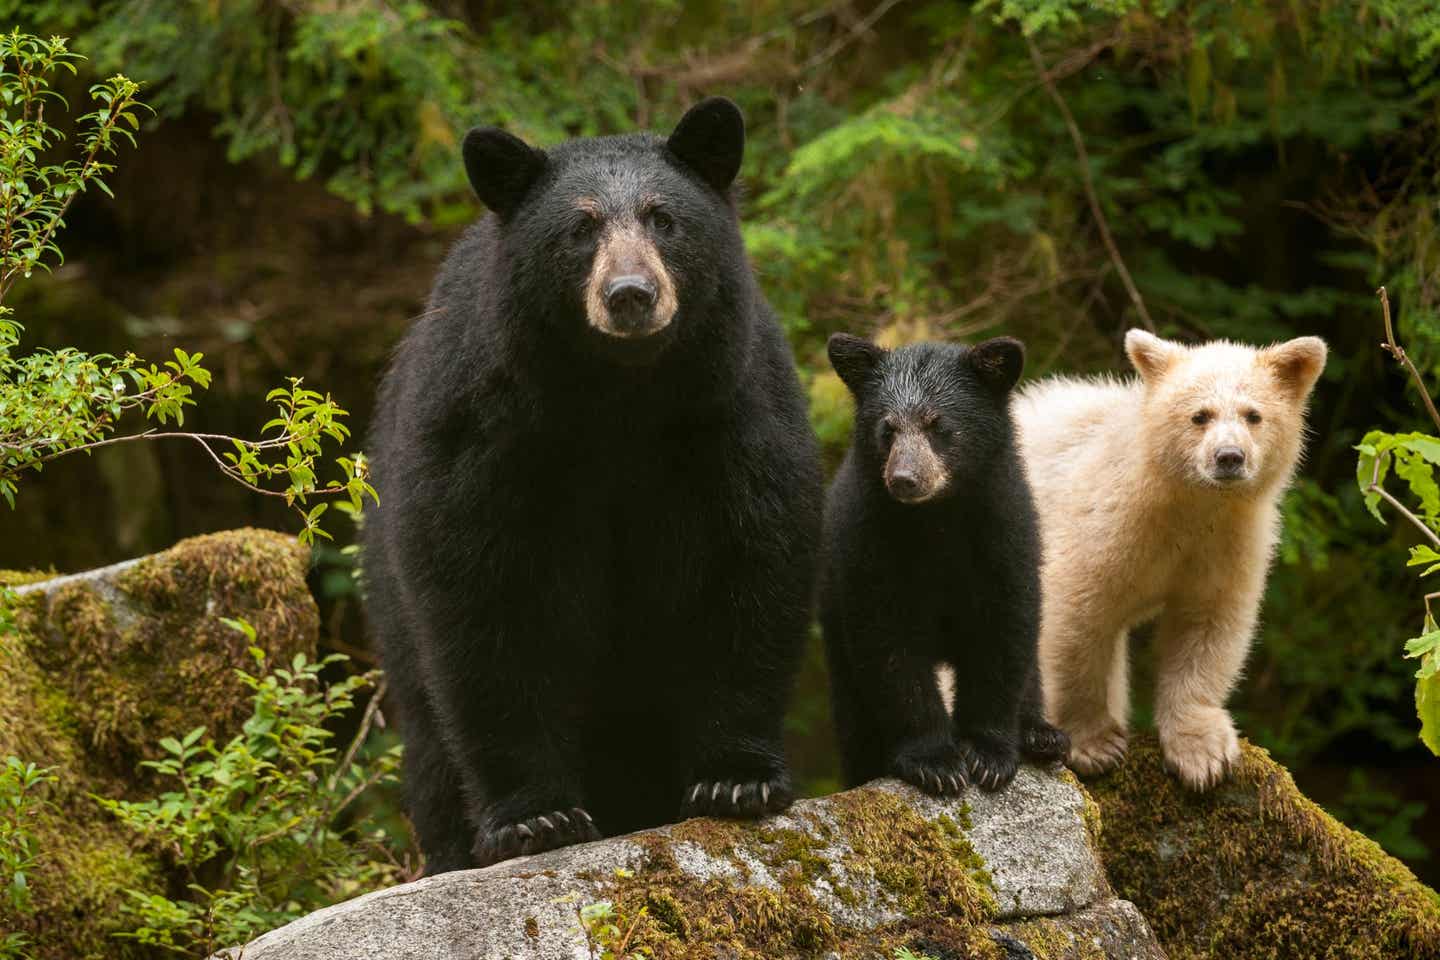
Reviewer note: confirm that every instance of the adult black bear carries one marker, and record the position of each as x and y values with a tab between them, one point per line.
591	565
932	559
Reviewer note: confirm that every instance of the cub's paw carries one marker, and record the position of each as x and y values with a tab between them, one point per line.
558	828
991	765
737	798
1202	748
939	770
1097	750
1044	743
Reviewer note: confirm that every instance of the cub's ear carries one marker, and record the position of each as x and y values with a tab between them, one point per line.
710	139
1150	355
502	168
998	362
1296	364
854	359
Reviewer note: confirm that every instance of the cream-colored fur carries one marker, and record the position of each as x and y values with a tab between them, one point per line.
1138	522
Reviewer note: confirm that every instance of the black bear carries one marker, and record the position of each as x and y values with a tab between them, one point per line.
590	571
932	559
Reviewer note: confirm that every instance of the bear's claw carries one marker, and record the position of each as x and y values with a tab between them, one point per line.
990	768
743	798
938	772
1097	751
557	828
1044	743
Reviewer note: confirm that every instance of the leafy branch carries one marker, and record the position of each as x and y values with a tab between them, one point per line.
1413	457
55	403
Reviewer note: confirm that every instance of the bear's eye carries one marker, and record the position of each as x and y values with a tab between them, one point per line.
887	431
1253	417
583	229
662	221
1201	418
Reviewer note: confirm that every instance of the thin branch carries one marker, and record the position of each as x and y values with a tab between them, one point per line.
1375	488
371	709
1401	357
1419	524
1084	157
850	36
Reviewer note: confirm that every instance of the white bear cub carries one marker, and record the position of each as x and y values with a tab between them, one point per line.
1159	499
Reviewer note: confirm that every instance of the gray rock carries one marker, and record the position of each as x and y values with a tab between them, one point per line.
849	875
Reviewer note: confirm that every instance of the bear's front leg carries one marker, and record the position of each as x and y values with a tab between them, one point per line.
1086	679
739	767
513	735
1201	649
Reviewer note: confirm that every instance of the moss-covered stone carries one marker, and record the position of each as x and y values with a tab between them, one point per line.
1255	871
781	891
101	667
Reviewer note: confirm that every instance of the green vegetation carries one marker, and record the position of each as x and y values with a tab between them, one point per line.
55	403
255	811
260	826
1254	869
1251	170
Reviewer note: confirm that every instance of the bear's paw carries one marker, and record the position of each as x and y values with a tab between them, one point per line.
545	831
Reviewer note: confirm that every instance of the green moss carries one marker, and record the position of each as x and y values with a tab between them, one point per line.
1253	869
98	673
877	843
19	578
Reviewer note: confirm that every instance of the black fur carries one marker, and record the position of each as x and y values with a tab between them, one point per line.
591	566
954	580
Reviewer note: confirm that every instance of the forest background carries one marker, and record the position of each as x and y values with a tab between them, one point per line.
1055	170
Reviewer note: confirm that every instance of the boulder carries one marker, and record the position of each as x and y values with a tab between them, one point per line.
1254	870
102	665
858	874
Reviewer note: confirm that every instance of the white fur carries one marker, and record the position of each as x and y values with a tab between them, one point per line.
1136	526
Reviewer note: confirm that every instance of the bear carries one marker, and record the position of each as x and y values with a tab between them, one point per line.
590	572
931	558
1159	501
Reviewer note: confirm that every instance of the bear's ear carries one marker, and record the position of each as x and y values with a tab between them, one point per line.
502	168
1296	364
854	359
710	139
998	362
1150	355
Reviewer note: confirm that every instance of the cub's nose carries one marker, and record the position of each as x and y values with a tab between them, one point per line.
1229	461
903	484
630	299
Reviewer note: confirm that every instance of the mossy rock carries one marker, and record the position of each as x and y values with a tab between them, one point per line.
859	874
1255	871
102	666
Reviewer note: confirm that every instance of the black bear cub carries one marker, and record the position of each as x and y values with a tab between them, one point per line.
592	563
932	558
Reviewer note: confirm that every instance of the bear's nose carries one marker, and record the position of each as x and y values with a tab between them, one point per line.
629	298
904	484
1229	461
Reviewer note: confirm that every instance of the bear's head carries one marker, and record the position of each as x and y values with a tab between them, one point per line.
928	416
618	240
1224	415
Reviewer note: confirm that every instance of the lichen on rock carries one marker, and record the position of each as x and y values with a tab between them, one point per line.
1254	870
100	667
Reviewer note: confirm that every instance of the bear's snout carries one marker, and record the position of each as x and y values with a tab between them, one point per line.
631	300
913	472
1229	463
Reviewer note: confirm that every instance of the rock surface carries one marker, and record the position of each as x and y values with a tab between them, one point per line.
1007	875
104	664
1254	870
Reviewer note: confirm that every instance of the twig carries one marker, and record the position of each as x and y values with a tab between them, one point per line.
851	35
1084	157
1375	488
1401	357
371	709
